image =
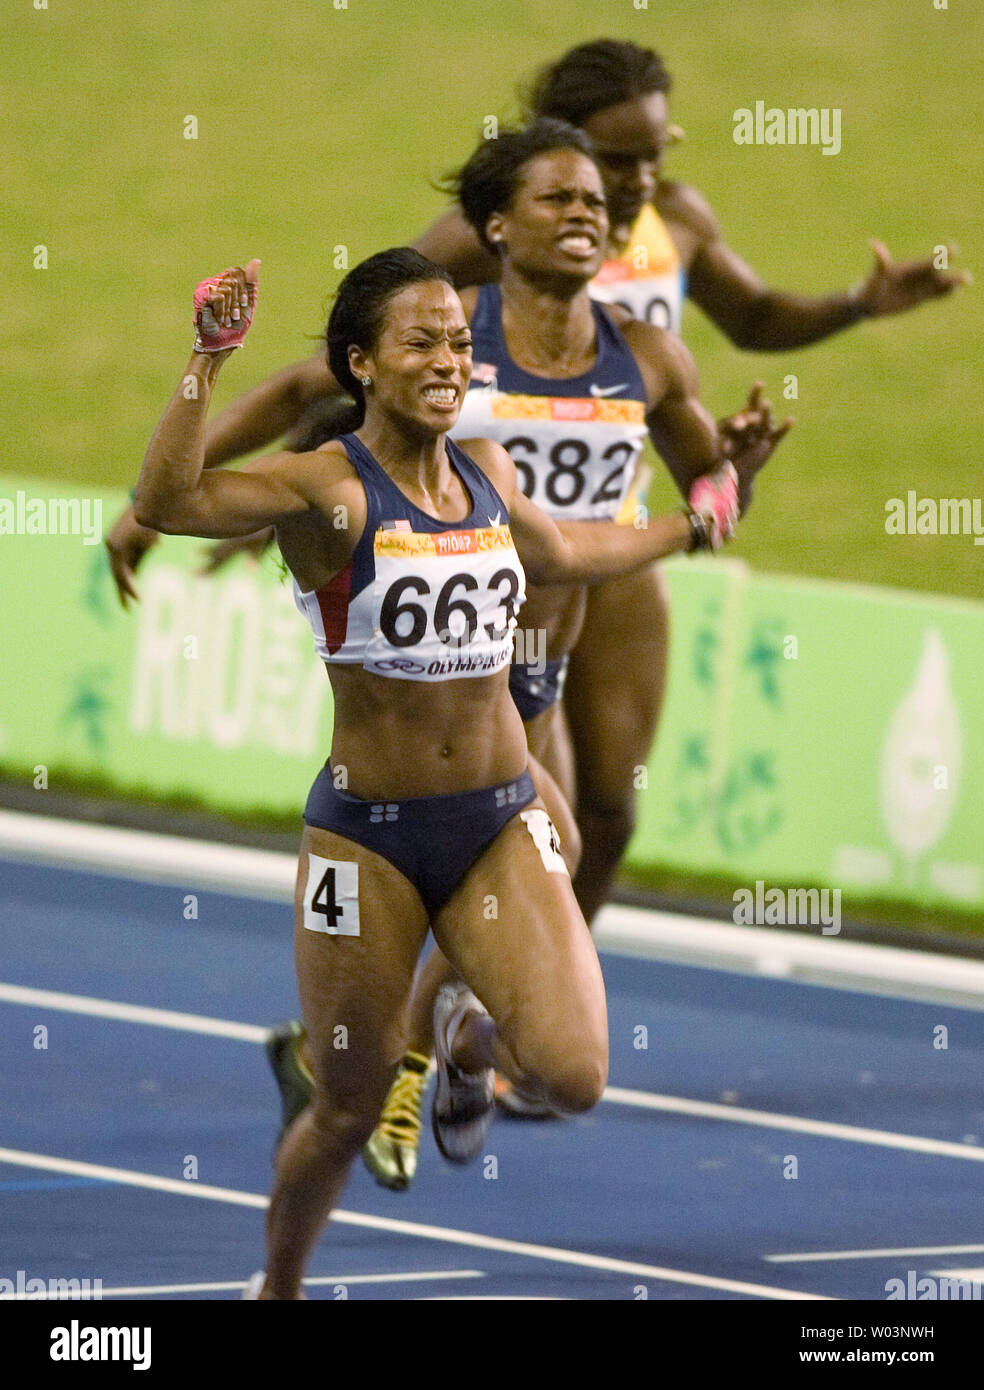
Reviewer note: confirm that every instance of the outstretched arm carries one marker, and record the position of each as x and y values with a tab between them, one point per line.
690	443
173	494
281	403
584	552
762	319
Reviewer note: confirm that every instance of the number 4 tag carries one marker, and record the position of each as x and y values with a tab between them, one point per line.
331	898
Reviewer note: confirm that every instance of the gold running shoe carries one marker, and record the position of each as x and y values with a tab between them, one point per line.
391	1153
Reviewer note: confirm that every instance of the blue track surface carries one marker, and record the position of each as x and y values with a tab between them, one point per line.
704	1197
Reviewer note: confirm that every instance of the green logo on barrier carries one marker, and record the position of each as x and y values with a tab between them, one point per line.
764	655
747	810
89	706
96	592
741	806
706	644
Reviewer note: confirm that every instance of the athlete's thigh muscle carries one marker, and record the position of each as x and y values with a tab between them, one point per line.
615	683
515	933
549	741
353	987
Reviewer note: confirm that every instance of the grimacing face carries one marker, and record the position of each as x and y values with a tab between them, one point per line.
421	362
556	223
630	140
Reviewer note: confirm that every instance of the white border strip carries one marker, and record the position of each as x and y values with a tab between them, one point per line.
816	960
794	1124
269	876
151	858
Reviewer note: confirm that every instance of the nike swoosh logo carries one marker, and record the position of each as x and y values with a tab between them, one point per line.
494	521
607	390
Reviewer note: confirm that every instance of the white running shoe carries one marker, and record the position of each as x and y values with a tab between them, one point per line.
463	1101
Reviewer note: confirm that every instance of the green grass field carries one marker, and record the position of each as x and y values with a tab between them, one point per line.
321	127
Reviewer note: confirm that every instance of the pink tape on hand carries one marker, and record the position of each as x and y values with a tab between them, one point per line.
212	336
715	495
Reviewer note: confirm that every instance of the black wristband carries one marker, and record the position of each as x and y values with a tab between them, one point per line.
700	535
856	304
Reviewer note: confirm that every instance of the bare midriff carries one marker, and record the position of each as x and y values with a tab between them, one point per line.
400	738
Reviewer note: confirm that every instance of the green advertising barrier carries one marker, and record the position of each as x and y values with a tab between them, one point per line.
820	734
813	734
208	689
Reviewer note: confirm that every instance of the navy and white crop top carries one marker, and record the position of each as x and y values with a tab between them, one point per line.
575	441
421	599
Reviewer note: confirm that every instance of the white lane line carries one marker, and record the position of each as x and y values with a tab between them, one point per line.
473	1239
147	1289
972	1276
765	1119
817	1256
131	1013
617	1095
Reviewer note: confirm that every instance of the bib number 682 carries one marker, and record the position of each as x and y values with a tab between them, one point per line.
565	479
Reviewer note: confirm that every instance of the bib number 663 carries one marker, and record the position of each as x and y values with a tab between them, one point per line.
396	610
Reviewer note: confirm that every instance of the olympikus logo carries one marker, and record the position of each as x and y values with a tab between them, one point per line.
467	663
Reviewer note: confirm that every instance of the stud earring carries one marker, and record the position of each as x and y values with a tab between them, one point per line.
366	380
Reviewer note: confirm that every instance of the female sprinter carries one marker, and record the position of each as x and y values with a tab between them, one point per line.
568	388
664	242
570	394
413	599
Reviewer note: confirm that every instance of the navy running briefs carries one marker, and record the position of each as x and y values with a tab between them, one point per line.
534	692
432	840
